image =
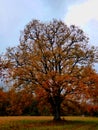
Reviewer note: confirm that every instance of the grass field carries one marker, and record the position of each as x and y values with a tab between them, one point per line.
46	123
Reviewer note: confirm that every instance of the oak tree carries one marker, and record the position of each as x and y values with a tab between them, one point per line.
49	61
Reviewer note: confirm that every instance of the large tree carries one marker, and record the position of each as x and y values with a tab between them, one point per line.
49	61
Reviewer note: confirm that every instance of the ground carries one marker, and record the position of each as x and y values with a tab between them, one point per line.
47	123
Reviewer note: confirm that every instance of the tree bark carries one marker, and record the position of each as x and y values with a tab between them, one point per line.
56	113
56	106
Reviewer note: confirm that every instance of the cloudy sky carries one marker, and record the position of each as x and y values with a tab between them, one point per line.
15	14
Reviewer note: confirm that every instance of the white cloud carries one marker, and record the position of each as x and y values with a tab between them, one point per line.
85	16
81	14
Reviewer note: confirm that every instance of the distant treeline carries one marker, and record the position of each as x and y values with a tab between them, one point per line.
23	103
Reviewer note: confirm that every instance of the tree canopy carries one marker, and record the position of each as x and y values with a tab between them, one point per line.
51	61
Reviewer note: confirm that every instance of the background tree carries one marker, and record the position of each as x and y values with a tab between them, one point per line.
19	103
49	61
3	102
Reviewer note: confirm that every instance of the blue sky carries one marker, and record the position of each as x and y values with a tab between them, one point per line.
15	14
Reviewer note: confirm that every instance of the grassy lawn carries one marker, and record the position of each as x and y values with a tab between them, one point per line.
46	123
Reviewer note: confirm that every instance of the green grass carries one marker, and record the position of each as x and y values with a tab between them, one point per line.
46	123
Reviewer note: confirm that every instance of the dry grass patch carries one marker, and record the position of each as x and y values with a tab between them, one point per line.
7	119
47	123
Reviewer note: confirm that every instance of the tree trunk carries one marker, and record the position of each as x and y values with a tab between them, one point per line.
56	106
56	112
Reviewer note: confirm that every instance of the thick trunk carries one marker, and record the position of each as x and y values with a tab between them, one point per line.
56	106
56	112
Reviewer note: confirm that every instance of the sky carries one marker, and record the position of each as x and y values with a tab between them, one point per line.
15	14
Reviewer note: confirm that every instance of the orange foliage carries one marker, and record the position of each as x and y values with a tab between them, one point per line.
18	102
